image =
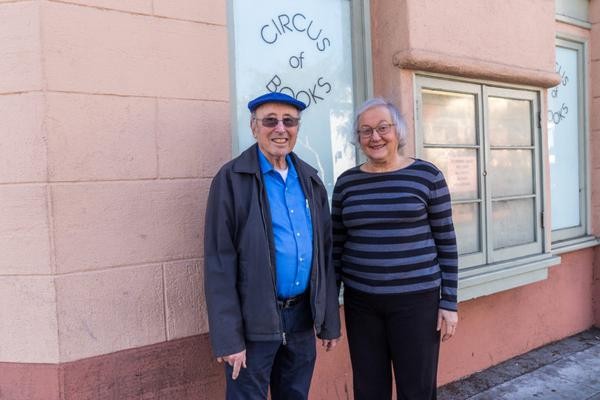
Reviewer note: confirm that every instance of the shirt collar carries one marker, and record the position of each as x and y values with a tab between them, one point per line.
266	166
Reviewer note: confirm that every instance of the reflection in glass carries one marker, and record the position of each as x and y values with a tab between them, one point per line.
513	222
313	67
448	118
511	172
466	225
459	167
563	143
509	122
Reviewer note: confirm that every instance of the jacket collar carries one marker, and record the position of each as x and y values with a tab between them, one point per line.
247	163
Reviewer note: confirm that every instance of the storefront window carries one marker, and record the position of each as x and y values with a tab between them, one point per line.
566	138
486	141
303	49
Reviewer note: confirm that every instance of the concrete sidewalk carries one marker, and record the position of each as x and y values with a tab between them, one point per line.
565	370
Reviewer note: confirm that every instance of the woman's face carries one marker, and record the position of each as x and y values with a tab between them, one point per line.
379	148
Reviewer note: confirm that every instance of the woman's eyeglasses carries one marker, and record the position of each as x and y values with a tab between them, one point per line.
366	132
271	122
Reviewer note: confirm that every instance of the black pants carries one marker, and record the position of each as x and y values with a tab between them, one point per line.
396	330
285	369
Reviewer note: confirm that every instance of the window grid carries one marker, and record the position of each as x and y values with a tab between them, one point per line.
483	252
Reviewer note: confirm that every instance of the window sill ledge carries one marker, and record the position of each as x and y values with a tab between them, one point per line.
480	281
567	246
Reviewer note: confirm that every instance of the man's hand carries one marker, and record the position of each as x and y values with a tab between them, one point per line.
329	343
237	361
447	321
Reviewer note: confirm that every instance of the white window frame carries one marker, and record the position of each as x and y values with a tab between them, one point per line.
491	271
578	237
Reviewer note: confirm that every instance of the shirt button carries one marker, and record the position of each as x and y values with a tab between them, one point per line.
297	283
297	233
292	211
301	259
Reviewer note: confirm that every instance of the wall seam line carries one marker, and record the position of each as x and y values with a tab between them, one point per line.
141	14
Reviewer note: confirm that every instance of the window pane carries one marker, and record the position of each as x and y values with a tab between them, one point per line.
466	225
459	167
511	172
509	122
563	142
308	47
513	222
448	118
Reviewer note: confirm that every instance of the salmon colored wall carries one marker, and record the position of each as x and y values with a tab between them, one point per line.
112	111
497	327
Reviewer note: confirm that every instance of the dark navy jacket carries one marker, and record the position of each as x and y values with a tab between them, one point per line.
239	274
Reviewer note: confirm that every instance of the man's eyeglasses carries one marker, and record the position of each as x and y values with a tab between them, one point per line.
383	129
271	122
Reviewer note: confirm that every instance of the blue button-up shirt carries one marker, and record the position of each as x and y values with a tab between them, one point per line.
292	228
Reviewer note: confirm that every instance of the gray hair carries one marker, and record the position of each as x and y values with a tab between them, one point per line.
397	119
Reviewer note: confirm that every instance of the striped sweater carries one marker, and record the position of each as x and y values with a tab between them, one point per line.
393	232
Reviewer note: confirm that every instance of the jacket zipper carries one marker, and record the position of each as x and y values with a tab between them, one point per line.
262	215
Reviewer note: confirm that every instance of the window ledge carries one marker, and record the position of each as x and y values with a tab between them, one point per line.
566	246
481	281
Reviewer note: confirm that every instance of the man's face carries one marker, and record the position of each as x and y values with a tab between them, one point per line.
278	141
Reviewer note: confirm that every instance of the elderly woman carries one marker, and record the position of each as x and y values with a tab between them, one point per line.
395	251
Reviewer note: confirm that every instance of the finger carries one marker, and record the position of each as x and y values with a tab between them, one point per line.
244	363
439	322
220	359
236	369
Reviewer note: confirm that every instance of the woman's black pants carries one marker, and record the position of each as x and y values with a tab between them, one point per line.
393	330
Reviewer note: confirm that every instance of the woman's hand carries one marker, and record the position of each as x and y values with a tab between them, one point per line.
447	321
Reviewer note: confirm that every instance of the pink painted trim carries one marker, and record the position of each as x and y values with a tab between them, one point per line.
423	60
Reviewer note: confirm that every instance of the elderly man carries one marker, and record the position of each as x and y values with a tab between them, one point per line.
269	278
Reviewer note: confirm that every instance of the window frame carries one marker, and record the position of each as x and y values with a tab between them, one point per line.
568	239
533	247
484	273
362	71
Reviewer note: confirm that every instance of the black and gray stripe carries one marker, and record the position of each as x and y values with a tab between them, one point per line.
393	232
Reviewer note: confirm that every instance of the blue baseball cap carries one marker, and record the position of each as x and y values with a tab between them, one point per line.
275	97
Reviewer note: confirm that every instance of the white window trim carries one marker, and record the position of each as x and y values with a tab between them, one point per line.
485	279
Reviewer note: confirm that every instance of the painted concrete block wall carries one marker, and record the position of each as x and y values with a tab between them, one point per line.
132	112
27	299
495	328
114	117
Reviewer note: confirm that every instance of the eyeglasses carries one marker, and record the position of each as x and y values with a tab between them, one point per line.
383	129
271	122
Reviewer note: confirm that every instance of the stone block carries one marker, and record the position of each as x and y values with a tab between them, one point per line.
24	233
23	144
194	137
94	137
102	225
184	294
106	311
139	55
20	49
29	331
82	55
191	60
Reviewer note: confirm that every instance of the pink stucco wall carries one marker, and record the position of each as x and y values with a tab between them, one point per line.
497	327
